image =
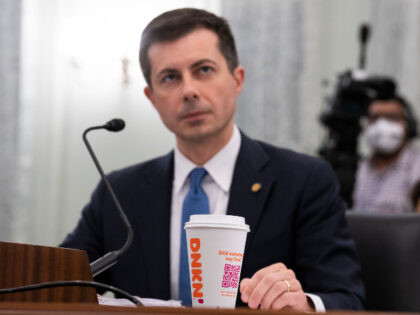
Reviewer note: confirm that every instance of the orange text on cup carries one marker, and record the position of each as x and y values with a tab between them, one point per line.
196	278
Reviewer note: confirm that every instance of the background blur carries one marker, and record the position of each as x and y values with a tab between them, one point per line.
67	65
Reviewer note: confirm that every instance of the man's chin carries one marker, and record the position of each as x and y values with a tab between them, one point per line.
202	132
197	133
195	137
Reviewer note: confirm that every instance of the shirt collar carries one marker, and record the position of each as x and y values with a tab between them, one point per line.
220	167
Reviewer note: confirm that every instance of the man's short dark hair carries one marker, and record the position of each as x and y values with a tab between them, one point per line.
173	25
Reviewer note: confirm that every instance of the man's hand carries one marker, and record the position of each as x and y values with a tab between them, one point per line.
274	287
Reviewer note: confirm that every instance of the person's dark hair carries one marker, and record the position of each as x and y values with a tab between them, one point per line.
173	25
410	117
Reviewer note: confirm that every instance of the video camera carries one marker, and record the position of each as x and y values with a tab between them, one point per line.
354	92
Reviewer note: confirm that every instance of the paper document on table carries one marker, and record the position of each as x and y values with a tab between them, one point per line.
145	301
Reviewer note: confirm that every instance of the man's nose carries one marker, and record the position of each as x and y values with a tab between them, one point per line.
190	89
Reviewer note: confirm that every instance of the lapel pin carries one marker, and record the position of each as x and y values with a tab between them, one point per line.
255	187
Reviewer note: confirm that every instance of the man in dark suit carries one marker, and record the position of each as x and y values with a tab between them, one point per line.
299	254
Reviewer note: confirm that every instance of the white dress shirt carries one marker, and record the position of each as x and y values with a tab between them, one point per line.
216	184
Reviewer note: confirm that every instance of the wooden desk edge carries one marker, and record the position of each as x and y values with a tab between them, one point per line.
7	308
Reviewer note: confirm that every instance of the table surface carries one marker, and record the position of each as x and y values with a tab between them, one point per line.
86	308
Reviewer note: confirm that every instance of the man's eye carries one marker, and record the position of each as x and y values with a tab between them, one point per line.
169	78
205	69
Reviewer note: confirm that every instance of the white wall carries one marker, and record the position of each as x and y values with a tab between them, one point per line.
73	79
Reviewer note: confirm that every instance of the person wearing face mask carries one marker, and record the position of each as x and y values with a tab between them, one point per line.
385	179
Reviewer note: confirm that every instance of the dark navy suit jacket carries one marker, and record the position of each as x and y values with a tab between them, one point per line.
297	218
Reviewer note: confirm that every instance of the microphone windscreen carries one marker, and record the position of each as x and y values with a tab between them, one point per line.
364	33
115	125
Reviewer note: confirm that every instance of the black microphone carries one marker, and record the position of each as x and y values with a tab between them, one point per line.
115	125
364	34
109	259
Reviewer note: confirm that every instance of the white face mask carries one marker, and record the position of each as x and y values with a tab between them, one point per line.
385	136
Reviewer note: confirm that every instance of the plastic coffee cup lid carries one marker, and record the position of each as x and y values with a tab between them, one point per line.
217	221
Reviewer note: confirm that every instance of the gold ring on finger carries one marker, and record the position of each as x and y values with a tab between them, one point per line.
287	284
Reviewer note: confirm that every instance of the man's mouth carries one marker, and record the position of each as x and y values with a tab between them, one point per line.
194	115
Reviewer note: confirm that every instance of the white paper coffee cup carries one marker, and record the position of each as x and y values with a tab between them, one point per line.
215	253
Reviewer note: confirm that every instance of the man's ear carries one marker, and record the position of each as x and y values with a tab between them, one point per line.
149	94
239	76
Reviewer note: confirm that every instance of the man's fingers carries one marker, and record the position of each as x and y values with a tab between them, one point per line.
296	301
289	300
247	290
270	282
243	284
274	287
278	289
265	285
284	301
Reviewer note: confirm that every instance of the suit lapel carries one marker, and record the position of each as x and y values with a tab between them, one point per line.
250	186
153	197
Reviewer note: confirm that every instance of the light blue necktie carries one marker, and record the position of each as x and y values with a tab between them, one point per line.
195	202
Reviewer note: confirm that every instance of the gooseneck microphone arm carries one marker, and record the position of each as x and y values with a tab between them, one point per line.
109	259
